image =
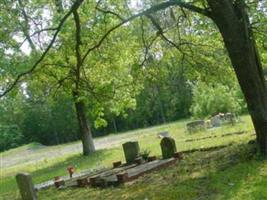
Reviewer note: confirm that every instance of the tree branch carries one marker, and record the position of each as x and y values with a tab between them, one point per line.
26	26
75	6
153	9
77	47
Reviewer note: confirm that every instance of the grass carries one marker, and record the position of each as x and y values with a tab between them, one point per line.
227	173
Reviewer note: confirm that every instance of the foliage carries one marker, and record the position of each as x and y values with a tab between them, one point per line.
209	100
144	154
134	79
55	164
10	136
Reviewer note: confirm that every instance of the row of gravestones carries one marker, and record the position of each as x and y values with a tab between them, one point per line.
132	149
215	121
131	152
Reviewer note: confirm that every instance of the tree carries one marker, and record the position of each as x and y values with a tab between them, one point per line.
234	25
108	84
232	20
211	99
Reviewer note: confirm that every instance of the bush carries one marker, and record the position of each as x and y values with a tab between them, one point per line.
10	136
209	100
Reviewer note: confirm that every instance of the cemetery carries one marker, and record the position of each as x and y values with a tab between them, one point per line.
133	100
215	121
134	167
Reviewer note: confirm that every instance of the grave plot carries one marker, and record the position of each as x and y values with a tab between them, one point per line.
132	173
68	181
134	167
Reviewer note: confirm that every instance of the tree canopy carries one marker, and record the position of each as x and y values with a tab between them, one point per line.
117	65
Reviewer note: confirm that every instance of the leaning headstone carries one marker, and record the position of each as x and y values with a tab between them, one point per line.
168	147
26	187
131	151
194	126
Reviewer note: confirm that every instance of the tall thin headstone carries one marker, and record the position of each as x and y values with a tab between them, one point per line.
131	151
168	147
26	187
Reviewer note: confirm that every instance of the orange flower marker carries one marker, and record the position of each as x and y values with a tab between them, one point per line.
70	170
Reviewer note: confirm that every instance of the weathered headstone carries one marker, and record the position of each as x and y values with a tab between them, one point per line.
163	134
194	126
168	147
131	151
26	187
230	118
208	123
216	121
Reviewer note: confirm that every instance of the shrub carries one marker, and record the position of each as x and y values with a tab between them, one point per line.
10	136
212	99
144	154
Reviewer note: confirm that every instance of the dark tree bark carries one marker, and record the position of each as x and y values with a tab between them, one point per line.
232	20
114	125
85	130
84	126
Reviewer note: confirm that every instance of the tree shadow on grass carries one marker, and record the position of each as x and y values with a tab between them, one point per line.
95	160
218	174
229	173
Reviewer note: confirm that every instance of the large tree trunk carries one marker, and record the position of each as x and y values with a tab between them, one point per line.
85	130
233	23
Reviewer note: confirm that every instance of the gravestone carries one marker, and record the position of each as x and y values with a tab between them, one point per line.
216	121
194	126
230	118
208	123
131	151
26	187
168	147
163	134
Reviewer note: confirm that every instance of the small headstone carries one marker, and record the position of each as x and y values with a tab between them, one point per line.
131	151
208	123
26	187
168	147
230	118
194	126
163	134
216	121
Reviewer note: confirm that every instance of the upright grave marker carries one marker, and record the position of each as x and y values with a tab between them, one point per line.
131	151
26	187
168	147
195	126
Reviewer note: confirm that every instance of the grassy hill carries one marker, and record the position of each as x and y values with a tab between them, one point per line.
230	172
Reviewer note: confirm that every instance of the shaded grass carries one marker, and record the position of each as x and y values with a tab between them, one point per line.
228	173
184	181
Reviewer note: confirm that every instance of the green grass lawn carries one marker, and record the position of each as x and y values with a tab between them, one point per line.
232	172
